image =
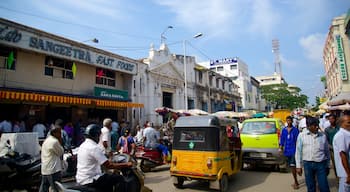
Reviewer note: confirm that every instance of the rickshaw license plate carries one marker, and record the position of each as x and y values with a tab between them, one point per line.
261	155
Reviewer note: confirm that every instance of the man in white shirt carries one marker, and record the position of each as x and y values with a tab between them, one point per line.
341	148
51	165
312	152
105	138
90	160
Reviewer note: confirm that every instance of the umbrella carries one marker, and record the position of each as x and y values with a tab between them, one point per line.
197	112
229	114
259	115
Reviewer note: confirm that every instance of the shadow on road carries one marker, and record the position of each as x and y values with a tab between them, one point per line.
254	179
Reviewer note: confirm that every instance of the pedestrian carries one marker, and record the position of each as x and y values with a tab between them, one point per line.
126	143
139	132
114	135
302	122
341	146
312	153
51	165
105	138
151	139
40	129
287	144
330	131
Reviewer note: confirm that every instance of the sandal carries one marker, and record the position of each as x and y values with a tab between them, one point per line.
295	186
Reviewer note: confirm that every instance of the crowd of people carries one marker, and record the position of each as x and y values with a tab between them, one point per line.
94	152
312	145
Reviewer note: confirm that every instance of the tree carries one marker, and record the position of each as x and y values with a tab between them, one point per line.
280	96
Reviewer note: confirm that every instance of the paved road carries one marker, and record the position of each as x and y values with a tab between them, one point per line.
245	181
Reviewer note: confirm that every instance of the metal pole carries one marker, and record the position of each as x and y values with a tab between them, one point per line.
185	74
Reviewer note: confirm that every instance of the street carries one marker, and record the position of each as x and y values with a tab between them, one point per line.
261	179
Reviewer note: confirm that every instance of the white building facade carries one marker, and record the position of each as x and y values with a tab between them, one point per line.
161	83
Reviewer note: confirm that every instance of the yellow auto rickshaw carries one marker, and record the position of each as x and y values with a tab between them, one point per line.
205	148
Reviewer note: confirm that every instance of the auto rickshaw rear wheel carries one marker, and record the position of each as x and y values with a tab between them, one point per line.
180	182
224	183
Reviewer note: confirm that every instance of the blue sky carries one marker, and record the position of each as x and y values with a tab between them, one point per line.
243	28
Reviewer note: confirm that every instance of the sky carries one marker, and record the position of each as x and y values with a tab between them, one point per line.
230	28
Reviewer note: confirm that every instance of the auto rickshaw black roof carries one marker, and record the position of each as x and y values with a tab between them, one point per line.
202	121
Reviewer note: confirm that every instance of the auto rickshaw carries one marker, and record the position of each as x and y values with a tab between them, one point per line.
206	148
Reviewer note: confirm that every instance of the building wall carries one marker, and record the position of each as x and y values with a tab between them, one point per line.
29	74
335	84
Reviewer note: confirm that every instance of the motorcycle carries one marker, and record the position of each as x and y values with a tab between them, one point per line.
151	157
134	178
19	171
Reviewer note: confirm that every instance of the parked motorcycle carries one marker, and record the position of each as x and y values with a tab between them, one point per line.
134	178
151	157
19	171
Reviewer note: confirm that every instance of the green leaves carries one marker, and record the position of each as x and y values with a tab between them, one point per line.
283	97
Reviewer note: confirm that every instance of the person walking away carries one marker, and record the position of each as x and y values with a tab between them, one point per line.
5	126
287	147
139	132
51	165
40	129
330	131
312	153
90	160
302	123
105	138
114	135
69	129
126	143
341	147
151	140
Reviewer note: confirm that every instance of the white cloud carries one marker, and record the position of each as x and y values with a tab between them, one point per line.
313	47
218	17
264	18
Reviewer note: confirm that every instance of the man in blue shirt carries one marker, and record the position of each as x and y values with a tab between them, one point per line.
287	144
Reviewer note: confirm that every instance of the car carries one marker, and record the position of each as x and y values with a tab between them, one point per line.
260	138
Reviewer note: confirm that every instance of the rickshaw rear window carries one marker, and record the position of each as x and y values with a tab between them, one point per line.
198	139
260	127
192	136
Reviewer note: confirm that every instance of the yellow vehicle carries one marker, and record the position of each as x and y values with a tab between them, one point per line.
260	139
205	148
281	114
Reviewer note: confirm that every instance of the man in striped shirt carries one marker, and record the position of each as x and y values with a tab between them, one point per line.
312	152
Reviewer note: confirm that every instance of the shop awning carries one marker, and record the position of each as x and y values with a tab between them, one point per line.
342	98
38	97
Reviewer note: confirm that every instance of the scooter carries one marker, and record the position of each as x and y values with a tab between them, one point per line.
151	157
19	171
134	178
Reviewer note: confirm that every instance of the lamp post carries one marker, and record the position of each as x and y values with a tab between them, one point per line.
185	68
94	40
162	37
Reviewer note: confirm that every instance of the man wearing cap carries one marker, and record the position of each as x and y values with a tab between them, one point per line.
51	165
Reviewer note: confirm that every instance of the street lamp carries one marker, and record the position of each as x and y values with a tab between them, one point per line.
162	37
94	40
185	68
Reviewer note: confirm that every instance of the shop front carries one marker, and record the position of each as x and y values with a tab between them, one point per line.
31	106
